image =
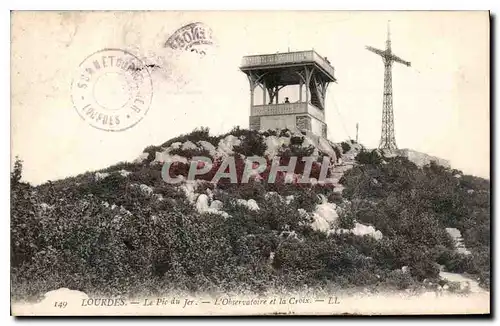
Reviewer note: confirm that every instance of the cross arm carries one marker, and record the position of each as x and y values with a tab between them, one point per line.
398	59
374	50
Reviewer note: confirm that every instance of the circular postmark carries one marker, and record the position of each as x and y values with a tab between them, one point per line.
194	37
112	90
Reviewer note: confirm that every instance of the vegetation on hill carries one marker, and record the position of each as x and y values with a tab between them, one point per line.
113	236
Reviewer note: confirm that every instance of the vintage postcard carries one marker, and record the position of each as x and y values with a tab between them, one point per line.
250	163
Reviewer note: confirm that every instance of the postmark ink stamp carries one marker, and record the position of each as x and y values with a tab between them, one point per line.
194	37
112	90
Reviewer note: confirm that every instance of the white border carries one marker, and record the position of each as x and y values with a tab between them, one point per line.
253	5
181	5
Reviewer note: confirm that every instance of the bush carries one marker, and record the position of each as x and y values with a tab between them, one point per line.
346	219
336	198
127	166
296	140
271	132
252	189
151	150
15	175
238	132
108	237
455	262
191	152
194	136
285	132
25	223
365	157
345	147
306	199
296	150
400	280
338	154
413	207
252	144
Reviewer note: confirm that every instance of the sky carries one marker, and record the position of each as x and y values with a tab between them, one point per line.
441	102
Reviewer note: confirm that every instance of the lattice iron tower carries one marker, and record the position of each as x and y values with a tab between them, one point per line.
387	138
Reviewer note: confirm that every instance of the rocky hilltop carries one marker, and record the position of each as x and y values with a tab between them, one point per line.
376	222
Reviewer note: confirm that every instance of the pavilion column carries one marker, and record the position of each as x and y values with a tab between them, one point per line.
253	84
251	95
309	73
307	84
300	90
264	90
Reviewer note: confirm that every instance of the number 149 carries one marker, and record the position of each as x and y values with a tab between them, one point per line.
60	304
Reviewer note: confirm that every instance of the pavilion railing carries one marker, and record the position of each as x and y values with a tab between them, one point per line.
288	57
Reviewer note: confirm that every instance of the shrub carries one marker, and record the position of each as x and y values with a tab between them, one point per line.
270	132
251	190
274	215
337	152
413	206
170	191
138	243
306	199
24	223
110	188
15	175
127	166
285	132
346	219
147	175
296	150
336	198
345	147
400	280
296	140
238	132
194	136
422	267
191	152
365	157
455	262
151	150
252	144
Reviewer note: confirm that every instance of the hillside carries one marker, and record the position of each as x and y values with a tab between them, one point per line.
377	223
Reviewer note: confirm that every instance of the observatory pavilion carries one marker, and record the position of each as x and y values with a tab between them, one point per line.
302	76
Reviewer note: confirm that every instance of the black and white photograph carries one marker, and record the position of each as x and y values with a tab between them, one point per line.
250	163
